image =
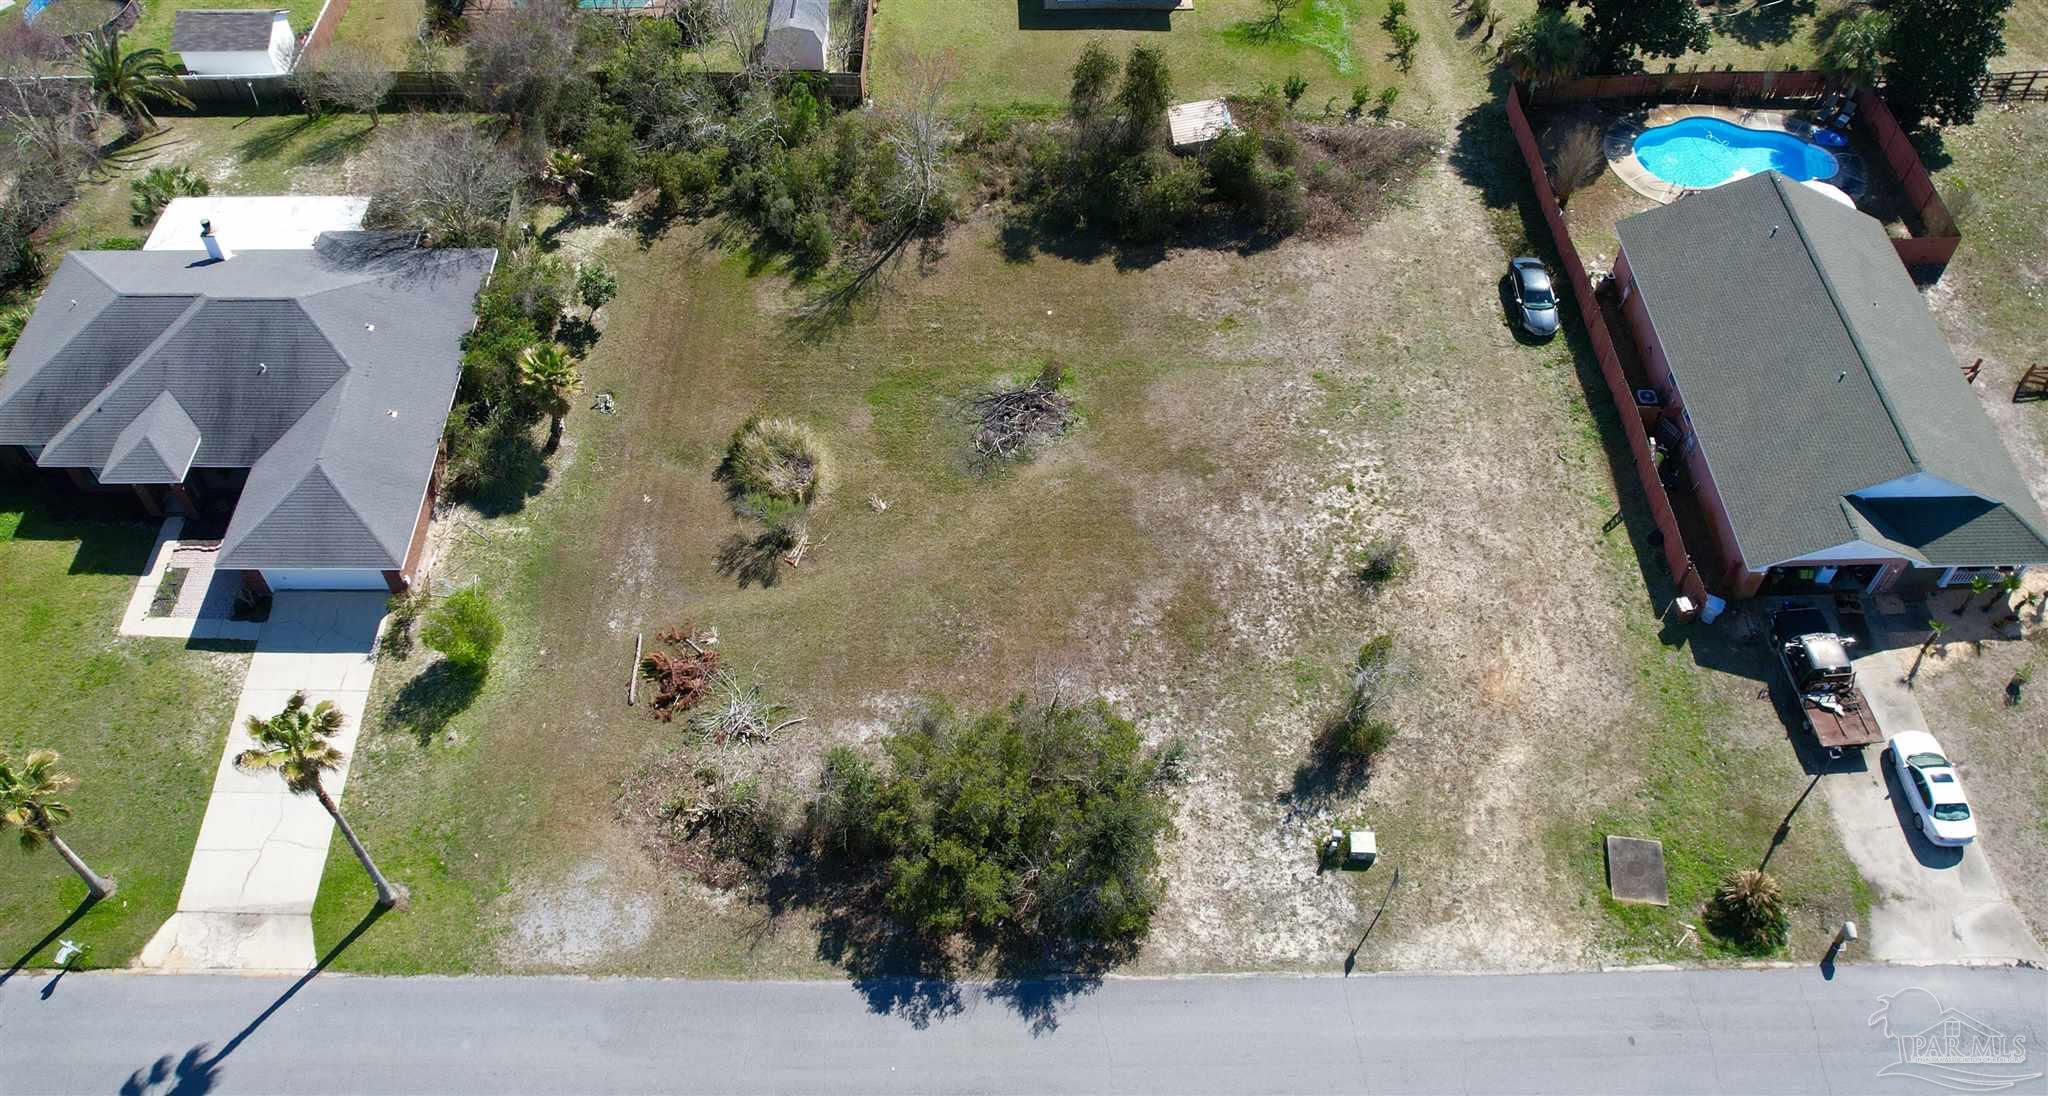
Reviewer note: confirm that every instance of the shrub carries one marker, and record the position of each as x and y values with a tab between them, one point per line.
686	180
1405	40
596	284
1294	89
1038	821
405	609
1397	10
774	459
12	320
1381	562
1389	95
1361	97
1749	909
157	186
465	629
118	243
1579	161
1357	733
611	157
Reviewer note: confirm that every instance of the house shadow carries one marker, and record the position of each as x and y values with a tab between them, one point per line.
114	536
1031	15
198	1070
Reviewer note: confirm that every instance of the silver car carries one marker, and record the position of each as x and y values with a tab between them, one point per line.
1535	297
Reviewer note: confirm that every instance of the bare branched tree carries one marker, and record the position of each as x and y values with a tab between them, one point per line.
735	25
49	140
348	76
448	179
1578	162
518	61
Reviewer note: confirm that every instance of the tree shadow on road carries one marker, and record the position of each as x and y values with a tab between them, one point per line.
198	1070
46	941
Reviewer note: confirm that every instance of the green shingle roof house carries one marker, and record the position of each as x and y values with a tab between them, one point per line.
1820	419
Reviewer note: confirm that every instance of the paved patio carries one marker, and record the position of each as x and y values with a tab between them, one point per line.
204	602
249	893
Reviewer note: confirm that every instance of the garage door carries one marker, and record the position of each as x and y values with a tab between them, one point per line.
281	578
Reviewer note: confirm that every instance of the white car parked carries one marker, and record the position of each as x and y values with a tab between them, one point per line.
1932	789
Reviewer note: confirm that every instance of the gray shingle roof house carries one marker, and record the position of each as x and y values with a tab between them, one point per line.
1826	422
327	373
234	42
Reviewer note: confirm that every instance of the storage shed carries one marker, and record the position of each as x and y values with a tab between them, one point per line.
1194	125
799	35
234	43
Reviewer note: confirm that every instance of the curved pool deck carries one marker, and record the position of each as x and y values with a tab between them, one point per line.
1620	146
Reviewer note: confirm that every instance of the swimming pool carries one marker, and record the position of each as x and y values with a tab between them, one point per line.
1706	152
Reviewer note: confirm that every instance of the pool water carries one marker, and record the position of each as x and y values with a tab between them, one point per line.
1706	152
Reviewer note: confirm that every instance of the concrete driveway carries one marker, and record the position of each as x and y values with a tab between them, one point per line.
248	896
1935	904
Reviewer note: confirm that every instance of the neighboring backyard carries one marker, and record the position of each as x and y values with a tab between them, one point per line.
139	722
159	17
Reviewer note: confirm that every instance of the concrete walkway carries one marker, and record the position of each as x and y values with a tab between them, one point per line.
249	893
1935	904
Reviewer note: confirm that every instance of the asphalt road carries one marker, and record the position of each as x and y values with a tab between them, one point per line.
1635	1032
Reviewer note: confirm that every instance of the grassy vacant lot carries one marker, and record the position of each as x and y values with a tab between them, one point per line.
261	155
1011	51
1250	422
140	722
386	27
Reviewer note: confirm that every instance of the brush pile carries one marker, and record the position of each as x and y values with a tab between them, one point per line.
682	674
1012	423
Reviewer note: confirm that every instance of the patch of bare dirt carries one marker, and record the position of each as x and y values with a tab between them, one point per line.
602	908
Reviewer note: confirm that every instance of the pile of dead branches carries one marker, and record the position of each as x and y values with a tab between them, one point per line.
1014	422
682	675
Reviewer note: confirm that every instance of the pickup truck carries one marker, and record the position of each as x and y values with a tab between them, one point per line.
1816	662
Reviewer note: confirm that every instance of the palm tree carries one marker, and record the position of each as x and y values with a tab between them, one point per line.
1978	584
1934	630
564	170
127	82
294	742
29	803
1853	54
548	374
2002	590
1545	46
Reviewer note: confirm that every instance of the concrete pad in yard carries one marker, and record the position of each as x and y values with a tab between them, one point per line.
1635	871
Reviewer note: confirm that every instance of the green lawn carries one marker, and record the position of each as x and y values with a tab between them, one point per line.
268	154
384	27
140	722
1011	51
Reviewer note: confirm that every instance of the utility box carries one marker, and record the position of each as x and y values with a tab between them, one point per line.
1360	849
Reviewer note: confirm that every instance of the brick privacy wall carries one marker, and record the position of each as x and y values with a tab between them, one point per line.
1675	557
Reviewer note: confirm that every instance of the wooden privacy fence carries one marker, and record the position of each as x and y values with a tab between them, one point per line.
1938	240
2015	87
1691	86
1683	572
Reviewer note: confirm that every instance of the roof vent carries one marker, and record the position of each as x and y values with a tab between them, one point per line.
393	412
369	327
215	250
262	368
1774	232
